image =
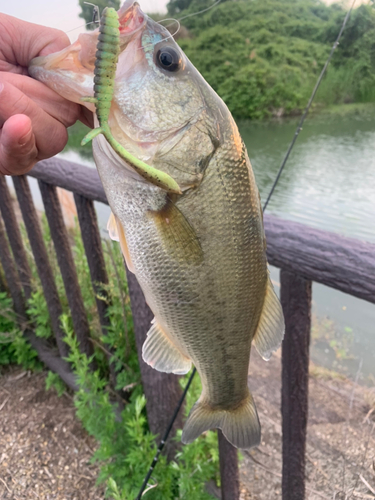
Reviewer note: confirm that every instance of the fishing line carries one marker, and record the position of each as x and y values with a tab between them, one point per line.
299	127
190	15
95	17
298	130
95	12
81	26
200	12
178	22
167	37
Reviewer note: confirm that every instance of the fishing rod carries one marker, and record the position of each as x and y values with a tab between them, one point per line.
166	435
283	163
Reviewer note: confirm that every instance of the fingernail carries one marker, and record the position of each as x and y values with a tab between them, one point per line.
26	138
1	87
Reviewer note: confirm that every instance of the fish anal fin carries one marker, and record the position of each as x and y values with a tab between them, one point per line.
159	352
117	233
271	327
177	233
240	426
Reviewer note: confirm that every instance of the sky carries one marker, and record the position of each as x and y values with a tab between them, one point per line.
62	14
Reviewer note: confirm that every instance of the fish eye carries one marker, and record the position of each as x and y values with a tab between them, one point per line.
169	59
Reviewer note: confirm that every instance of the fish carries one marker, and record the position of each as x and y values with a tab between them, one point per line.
199	255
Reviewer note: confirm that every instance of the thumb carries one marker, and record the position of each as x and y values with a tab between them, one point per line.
18	151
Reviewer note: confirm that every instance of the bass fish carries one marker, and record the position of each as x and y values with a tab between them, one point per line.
198	254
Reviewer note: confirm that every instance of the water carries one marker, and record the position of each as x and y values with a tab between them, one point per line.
328	183
329	179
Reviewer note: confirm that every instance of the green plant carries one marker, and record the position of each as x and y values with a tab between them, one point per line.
7	328
263	57
53	380
126	446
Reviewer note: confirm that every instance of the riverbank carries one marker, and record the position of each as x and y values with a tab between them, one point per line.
341	436
356	109
46	453
360	109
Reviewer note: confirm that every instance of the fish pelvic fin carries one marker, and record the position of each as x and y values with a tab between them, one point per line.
240	425
159	352
271	327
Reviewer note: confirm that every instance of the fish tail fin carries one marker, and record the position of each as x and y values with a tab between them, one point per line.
240	426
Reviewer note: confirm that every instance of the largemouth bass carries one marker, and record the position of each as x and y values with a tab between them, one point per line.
199	256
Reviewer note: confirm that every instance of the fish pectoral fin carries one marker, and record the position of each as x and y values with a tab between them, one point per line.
112	228
177	234
159	352
240	426
117	233
271	327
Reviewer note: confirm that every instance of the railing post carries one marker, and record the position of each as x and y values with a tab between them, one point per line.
43	265
15	238
12	278
3	285
162	390
93	248
66	263
45	353
296	301
228	455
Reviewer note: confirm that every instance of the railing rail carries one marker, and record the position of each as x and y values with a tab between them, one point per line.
303	254
339	262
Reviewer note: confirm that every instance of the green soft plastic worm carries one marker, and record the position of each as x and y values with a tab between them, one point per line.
104	81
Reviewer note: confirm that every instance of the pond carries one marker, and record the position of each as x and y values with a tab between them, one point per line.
328	183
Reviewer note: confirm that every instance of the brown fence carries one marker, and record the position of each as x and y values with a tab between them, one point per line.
303	254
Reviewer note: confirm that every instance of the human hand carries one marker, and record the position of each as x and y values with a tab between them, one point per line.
33	118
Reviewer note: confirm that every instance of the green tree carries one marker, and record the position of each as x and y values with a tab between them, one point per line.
88	10
176	6
263	56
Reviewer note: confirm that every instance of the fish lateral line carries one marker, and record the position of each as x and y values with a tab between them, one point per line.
105	68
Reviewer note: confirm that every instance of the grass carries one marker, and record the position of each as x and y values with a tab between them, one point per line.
322	373
125	446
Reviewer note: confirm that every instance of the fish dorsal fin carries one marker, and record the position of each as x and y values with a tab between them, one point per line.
177	233
159	352
270	330
117	233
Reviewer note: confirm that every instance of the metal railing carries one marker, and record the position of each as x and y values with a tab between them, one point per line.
303	254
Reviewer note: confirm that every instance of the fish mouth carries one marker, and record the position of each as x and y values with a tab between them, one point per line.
70	72
131	18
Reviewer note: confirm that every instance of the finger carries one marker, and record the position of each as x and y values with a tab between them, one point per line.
18	151
87	117
52	103
50	134
20	41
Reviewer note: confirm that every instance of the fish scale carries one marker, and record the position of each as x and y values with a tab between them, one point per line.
198	253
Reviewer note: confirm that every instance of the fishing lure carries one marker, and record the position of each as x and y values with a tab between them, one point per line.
107	53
